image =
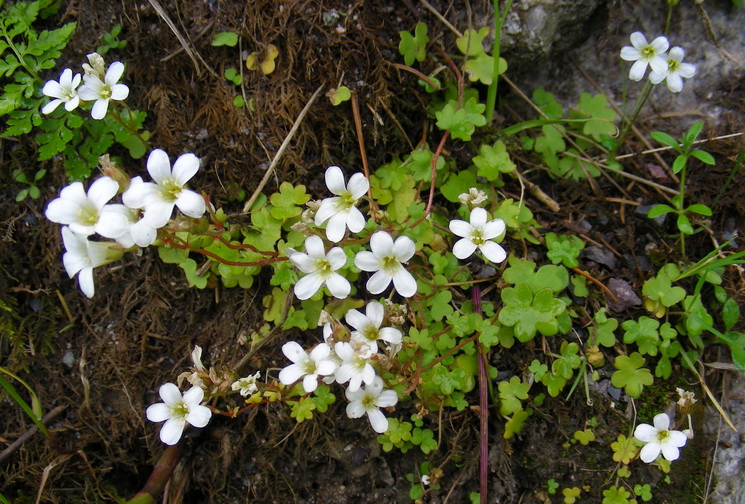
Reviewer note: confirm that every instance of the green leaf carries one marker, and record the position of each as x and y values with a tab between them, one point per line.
693	133
457	184
226	38
658	210
515	424
730	314
461	122
666	139
703	156
700	209
631	375
564	249
644	333
232	75
605	327
414	47
684	225
303	409
339	95
493	161
471	43
287	202
584	437
323	397
510	394
601	116
529	314
548	104
679	163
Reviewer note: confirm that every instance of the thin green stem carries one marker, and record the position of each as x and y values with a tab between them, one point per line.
669	17
131	126
635	113
491	96
680	206
20	57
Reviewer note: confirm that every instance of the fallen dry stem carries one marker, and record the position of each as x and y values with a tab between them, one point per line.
281	151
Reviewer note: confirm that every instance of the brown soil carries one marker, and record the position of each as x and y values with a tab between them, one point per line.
138	330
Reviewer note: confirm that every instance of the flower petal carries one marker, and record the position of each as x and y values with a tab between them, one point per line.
329	207
460	228
185	167
464	248
686	70
670	452
493	229
102	190
338	286
638	40
381	244
314	247
158	412
650	452
645	433
378	420
386	399
193	396
51	106
159	166
677	438
336	258
660	44
85	280
119	92
335	180
378	282
291	374
157	213
190	203
170	394
390	335
674	82
99	109
199	416
404	248
492	251
629	53
355	409
404	283
307	286
661	422
375	313
294	352
366	261
172	430
310	383
636	73
355	220
114	73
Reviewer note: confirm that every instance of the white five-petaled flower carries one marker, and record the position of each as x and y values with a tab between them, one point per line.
104	90
125	225
340	211
367	327
82	255
385	259
478	234
64	91
158	198
659	438
320	268
79	210
643	54
177	410
355	367
675	71
369	400
246	386
308	367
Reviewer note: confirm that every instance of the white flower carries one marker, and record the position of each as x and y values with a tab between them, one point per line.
340	210
96	67
659	439
125	225
355	367
82	255
474	197
478	235
196	358
675	71
64	91
177	411
385	259
79	210
104	90
643	54
320	268
158	198
318	363
246	386
367	327
369	400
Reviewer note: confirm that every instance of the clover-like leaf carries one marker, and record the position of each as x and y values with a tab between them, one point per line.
624	450
515	424
493	161
631	375
584	437
529	314
287	203
303	409
461	122
564	249
616	495
644	333
604	329
565	365
510	394
414	47
601	115
470	43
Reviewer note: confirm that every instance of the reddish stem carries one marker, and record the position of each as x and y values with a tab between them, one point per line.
483	404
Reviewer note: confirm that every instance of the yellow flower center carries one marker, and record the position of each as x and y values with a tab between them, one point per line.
390	264
648	52
170	190
672	65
